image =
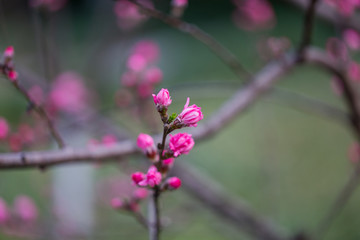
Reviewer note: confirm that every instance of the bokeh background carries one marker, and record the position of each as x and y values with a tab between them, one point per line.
286	163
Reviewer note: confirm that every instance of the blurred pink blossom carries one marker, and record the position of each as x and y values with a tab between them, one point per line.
353	71
9	52
15	142
25	209
153	75
109	140
140	193
253	14
4	128
148	49
68	93
4	212
51	5
128	14
179	3
129	79
145	90
345	7
116	203
352	39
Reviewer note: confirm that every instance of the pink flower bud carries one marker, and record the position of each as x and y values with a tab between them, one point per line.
9	52
116	203
352	39
4	128
174	183
153	75
179	3
152	178
138	177
4	213
145	141
354	71
162	98
181	143
140	193
190	115
25	209
12	75
168	162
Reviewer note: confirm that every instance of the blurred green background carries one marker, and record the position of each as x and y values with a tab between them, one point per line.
287	164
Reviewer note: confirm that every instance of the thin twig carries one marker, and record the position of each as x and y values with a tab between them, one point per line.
222	52
307	28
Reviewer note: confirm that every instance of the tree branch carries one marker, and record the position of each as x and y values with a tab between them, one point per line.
224	204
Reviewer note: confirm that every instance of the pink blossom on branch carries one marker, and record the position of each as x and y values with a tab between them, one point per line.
12	75
190	116
145	141
153	75
163	98
173	183
137	177
116	203
353	71
128	14
181	143
152	178
9	52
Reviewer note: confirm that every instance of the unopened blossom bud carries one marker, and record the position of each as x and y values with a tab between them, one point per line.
137	177
162	98
12	75
25	209
4	128
144	141
140	193
116	203
152	178
189	116
168	162
4	212
9	52
173	183
181	143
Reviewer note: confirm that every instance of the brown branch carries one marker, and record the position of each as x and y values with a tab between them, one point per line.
217	48
42	113
350	98
307	28
224	204
237	104
330	14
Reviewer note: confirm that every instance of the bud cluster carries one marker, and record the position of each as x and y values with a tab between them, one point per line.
162	157
7	64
